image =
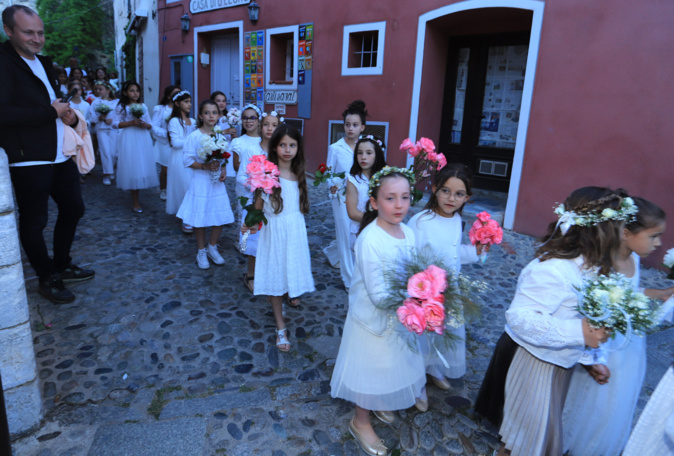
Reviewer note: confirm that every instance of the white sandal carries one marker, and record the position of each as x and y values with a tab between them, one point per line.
282	339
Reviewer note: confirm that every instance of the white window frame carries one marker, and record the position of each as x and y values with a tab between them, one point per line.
294	29
380	28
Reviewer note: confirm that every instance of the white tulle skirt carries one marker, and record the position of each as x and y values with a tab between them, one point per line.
136	168
178	181
454	355
162	152
589	433
377	372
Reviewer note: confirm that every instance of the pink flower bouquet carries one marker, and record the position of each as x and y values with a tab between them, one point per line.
263	176
485	231
428	298
426	161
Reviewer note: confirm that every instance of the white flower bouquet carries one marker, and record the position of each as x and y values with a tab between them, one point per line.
233	117
214	148
103	109
137	110
668	262
610	302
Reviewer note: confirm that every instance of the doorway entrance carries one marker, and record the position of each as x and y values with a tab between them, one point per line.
481	108
225	75
181	74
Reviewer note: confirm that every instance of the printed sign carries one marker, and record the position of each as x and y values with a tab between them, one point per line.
199	6
280	97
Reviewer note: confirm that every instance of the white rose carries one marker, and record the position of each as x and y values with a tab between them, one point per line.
616	295
608	213
669	259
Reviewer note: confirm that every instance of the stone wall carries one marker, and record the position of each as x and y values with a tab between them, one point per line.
17	358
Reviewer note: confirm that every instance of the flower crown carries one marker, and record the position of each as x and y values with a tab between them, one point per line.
180	94
627	212
254	108
273	114
105	84
385	171
373	139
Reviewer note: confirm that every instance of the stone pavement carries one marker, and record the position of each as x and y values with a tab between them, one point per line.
157	357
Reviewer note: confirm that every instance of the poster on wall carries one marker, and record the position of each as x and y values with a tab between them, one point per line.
305	64
506	66
253	65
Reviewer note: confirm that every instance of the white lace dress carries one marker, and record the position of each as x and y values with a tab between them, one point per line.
136	168
206	203
178	176
283	262
588	433
246	147
442	236
362	186
376	368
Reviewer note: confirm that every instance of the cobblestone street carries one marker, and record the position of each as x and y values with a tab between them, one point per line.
157	357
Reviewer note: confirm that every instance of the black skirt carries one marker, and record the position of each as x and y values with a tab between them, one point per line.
491	398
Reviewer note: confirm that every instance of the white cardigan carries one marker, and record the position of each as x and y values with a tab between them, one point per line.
542	317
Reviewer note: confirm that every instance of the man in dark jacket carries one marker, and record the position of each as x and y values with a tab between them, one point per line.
31	132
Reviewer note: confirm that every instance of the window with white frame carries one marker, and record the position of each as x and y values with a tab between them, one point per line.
363	49
281	58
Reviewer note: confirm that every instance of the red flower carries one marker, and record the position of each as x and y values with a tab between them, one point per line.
322	168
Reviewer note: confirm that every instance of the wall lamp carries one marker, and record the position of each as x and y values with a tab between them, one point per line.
253	11
185	22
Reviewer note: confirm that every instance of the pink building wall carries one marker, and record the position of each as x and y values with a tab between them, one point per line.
602	108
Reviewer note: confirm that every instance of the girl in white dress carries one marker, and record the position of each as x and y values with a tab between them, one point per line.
606	434
106	135
545	336
283	266
438	228
375	368
179	177
206	203
340	160
229	132
368	160
76	101
136	168
245	152
162	149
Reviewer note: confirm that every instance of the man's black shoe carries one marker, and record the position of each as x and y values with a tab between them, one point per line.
53	289
75	273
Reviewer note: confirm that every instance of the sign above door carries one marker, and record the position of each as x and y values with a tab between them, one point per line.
199	6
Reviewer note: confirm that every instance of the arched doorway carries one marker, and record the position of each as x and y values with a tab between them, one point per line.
478	107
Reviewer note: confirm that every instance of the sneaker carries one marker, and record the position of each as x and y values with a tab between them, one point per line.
74	273
53	289
106	180
214	255
187	229
202	259
162	195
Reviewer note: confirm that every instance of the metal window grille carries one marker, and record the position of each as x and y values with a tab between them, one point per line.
367	55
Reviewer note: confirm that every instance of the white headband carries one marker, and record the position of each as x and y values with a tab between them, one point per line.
180	94
254	108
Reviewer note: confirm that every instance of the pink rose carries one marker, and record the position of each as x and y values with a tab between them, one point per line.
439	278
442	161
271	168
485	233
257	159
484	216
255	182
421	286
434	313
254	168
411	315
268	185
426	144
406	145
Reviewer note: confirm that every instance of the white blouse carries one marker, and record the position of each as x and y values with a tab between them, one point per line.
442	236
179	131
542	317
375	250
340	157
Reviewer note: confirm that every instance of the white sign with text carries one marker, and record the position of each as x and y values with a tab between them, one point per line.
280	97
199	6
